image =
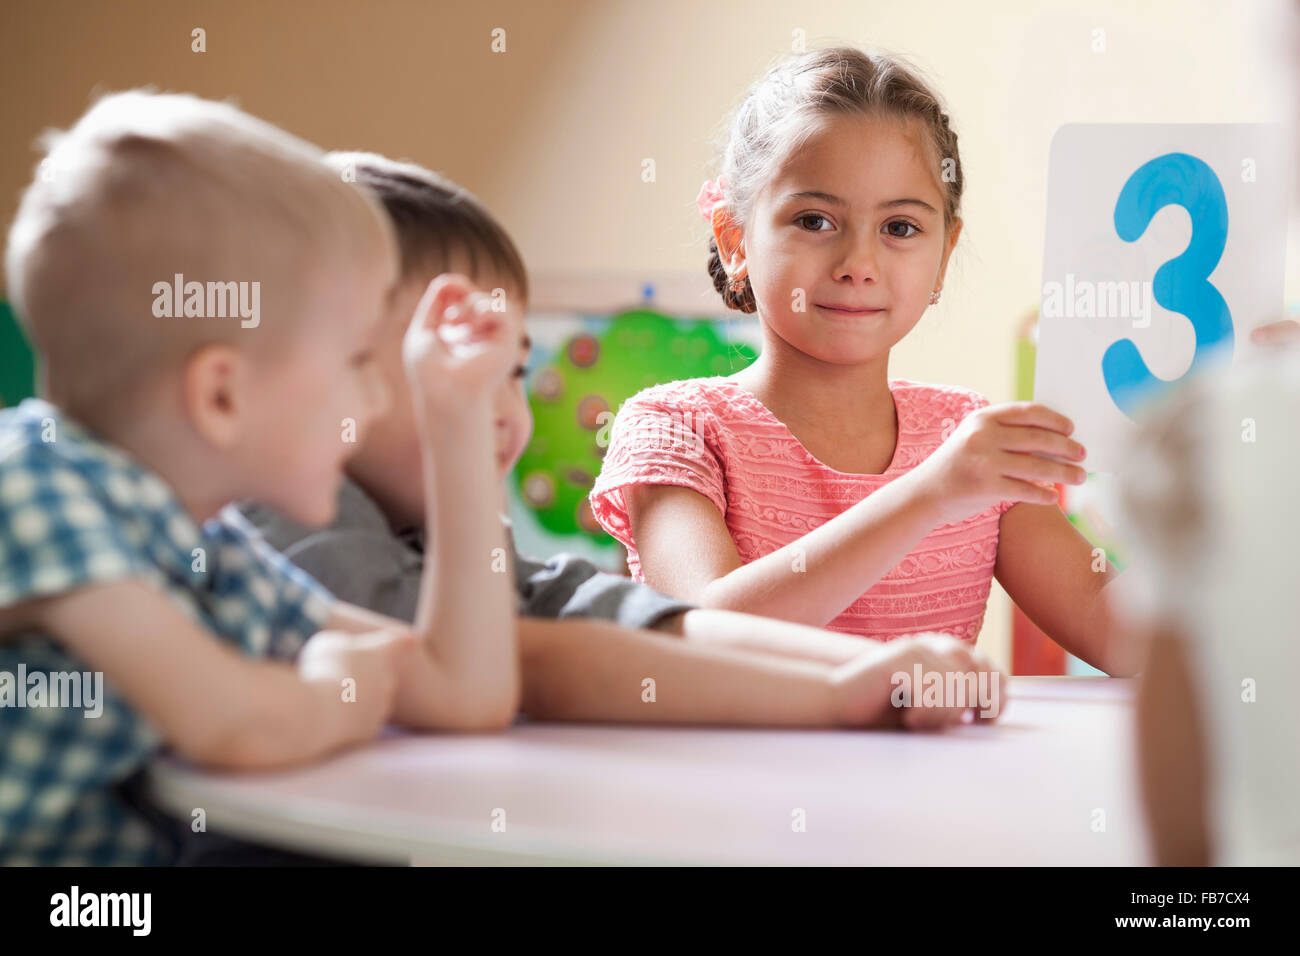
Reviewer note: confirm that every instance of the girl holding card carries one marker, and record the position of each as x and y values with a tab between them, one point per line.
811	486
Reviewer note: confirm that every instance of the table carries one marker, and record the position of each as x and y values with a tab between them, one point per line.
1051	782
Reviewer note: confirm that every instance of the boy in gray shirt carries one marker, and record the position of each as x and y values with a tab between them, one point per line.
360	559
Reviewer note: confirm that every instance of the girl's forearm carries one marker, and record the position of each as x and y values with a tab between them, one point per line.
465	615
1073	608
749	632
813	579
596	670
1098	639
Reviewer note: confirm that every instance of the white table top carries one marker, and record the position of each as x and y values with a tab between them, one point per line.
1026	789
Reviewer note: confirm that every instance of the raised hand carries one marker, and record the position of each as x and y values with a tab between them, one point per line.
457	347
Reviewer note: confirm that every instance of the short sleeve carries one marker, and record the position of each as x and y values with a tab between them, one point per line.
656	440
566	586
299	604
303	606
56	531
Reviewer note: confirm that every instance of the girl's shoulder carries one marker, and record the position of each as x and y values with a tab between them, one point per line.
714	395
927	399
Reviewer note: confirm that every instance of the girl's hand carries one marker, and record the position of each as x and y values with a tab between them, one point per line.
357	676
456	347
863	690
1282	333
996	454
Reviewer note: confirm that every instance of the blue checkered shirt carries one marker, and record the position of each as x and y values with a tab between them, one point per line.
74	511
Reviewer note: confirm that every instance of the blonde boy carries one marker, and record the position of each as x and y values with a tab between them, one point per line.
136	610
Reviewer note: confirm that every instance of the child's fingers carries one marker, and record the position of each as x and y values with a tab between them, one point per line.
941	655
956	658
444	292
997	685
456	313
1039	441
1282	332
1013	489
472	321
476	330
1035	468
1031	413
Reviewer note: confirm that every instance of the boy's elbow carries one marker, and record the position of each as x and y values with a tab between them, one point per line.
478	713
494	709
221	749
494	722
478	721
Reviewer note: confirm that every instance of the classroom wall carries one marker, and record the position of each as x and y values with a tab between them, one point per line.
552	133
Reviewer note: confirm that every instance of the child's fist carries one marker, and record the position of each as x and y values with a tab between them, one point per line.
457	346
357	677
878	689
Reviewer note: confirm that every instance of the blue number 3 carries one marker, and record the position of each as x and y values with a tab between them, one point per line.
1181	285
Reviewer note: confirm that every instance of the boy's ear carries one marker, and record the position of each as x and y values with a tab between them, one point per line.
214	392
730	238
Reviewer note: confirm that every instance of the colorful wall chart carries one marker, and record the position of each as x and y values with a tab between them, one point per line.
582	368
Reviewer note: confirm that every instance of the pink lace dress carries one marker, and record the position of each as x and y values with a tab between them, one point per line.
713	436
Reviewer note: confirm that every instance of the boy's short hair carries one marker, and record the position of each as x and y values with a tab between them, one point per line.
146	187
434	218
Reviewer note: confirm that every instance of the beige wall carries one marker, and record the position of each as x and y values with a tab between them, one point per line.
552	133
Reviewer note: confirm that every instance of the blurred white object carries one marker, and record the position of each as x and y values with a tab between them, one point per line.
1212	504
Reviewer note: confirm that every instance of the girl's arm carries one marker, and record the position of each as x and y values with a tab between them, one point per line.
996	454
1051	571
809	581
596	670
730	669
766	635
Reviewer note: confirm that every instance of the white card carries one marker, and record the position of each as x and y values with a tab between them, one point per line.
1166	245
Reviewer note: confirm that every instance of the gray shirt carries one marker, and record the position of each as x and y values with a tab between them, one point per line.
362	561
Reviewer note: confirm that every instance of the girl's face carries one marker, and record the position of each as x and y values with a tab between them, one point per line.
846	243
